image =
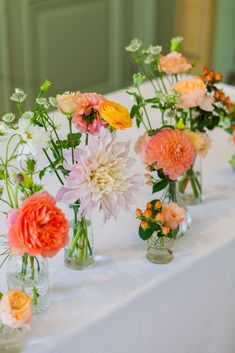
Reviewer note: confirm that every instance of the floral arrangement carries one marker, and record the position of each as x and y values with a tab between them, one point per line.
229	125
15	317
159	223
96	174
15	310
194	105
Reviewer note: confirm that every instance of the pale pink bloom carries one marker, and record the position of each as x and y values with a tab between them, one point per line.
102	177
16	309
141	144
201	142
173	215
174	63
172	151
87	117
67	102
207	104
192	92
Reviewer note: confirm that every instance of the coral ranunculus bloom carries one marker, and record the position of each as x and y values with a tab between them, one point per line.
192	92
38	227
172	214
174	63
115	114
172	151
16	309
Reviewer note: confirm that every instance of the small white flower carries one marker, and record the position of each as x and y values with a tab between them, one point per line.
35	137
43	102
19	95
27	115
9	117
150	59
134	45
154	50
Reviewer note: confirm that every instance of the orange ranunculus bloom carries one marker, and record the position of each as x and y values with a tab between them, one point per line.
115	114
16	309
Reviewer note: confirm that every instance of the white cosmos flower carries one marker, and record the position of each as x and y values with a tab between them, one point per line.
35	137
3	131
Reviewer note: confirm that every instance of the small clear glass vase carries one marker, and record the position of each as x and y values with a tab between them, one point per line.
79	255
12	340
171	194
160	249
30	274
190	184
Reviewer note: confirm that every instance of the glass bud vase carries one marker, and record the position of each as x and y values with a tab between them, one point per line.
79	255
12	340
160	249
30	274
171	194
190	184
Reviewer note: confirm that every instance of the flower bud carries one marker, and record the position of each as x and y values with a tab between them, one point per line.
159	217
158	204
144	225
138	212
148	206
165	230
148	214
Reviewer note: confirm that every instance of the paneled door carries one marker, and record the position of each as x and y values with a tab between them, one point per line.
77	44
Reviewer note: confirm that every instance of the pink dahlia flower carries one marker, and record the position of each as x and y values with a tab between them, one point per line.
172	151
87	117
102	177
172	214
38	227
174	63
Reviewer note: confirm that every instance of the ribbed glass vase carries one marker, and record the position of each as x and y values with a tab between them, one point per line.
79	254
160	249
30	274
12	340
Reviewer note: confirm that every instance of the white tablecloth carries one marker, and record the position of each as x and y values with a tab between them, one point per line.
126	304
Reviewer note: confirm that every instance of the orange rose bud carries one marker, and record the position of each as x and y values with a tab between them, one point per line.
144	225
148	206
165	230
209	77
148	213
230	106
138	212
158	204
205	70
159	217
217	94
218	76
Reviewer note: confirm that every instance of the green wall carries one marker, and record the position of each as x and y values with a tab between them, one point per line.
224	40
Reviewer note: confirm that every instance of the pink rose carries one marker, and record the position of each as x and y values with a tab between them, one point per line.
174	63
172	214
67	102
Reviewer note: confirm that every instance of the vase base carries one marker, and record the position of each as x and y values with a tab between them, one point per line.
74	263
11	340
191	200
160	258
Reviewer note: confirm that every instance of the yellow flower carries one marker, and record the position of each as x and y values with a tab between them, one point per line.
115	114
201	142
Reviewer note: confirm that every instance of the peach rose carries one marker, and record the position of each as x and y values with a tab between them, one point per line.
201	142
16	309
38	227
67	102
174	63
172	214
192	91
141	144
115	114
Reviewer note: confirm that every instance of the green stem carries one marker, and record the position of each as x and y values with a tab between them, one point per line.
70	130
73	245
24	265
53	167
143	104
32	267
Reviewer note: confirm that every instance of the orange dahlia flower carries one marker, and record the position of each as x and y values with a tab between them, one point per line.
172	151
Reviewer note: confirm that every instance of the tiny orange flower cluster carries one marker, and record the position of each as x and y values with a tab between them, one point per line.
210	77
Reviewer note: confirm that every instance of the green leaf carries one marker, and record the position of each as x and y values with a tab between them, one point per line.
147	233
160	185
43	172
30	164
134	110
74	139
160	174
44	87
